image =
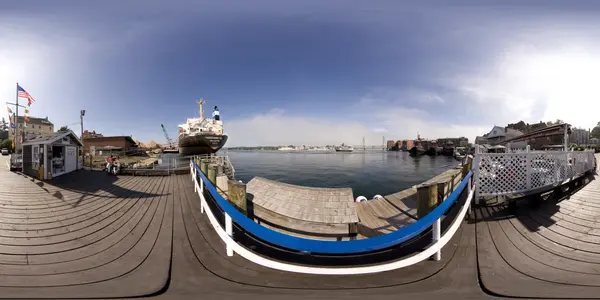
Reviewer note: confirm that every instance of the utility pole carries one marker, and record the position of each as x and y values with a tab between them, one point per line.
81	115
16	117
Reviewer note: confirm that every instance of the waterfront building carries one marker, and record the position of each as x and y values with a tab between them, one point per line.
32	128
579	136
91	134
113	143
459	142
498	135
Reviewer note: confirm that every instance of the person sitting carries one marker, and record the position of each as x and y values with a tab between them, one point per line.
110	160
216	114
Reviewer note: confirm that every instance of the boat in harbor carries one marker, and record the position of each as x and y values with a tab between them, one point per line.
201	135
448	149
417	148
344	148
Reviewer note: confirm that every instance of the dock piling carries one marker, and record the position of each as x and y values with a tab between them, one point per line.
212	173
427	198
237	195
204	166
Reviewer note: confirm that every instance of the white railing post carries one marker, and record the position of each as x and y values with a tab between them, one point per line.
528	169
229	231
436	237
476	163
194	180
202	195
468	192
202	186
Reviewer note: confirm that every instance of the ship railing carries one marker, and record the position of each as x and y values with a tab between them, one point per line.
431	230
221	160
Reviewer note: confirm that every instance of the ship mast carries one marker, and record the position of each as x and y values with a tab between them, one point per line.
201	102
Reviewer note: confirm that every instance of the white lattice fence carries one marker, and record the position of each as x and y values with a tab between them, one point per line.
509	173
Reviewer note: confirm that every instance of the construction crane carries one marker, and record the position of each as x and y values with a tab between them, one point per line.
167	136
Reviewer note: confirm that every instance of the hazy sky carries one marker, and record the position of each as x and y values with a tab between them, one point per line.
304	72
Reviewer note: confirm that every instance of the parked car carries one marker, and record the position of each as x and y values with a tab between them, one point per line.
4	151
16	162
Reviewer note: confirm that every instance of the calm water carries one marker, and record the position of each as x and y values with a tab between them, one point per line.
367	173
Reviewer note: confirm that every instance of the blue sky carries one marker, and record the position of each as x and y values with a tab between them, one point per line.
304	72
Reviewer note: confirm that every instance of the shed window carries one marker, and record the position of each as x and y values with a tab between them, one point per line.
35	153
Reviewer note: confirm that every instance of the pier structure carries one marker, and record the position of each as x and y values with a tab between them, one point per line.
88	235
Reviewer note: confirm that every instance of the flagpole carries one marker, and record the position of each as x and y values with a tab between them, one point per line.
17	119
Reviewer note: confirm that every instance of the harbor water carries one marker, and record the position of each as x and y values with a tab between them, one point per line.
367	173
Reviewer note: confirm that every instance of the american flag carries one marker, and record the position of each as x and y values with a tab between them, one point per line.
24	94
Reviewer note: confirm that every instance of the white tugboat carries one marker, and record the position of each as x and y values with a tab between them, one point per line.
344	148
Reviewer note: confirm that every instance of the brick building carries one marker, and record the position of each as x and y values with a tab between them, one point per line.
91	134
33	128
117	143
391	144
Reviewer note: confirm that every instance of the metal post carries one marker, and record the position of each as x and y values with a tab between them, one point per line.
17	120
475	168
81	115
229	231
436	237
566	137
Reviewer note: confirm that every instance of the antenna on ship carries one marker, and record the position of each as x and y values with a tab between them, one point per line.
201	102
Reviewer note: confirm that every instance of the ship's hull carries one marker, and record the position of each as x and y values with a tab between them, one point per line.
344	150
448	151
417	150
201	144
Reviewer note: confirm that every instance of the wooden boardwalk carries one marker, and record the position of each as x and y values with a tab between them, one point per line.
548	252
90	235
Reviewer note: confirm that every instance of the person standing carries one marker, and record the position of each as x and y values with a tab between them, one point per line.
216	115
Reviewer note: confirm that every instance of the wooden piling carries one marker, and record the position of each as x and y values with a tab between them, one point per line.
467	166
204	166
212	173
237	195
427	198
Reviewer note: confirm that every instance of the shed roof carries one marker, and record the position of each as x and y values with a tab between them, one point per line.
49	139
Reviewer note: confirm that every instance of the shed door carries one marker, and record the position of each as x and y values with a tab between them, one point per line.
70	159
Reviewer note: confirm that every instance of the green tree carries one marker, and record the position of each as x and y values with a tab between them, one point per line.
3	125
63	129
7	143
558	121
596	131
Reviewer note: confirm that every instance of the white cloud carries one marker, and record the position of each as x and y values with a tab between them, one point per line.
537	84
276	128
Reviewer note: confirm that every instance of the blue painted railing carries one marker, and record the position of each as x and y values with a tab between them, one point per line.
334	247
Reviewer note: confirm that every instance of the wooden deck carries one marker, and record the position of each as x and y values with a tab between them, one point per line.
398	210
548	252
90	235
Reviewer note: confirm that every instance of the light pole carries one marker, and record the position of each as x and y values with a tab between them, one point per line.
81	115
